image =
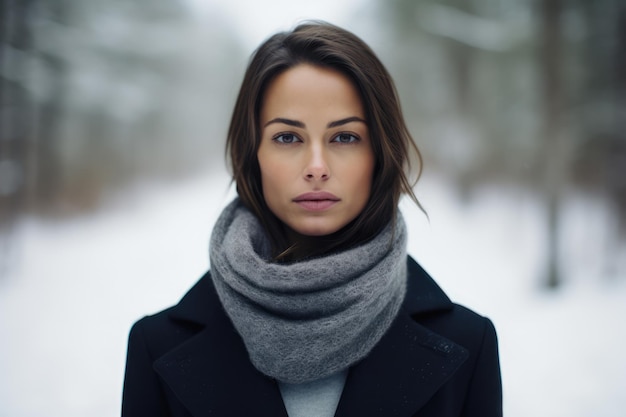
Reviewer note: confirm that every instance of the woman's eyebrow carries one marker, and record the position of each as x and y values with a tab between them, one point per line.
297	123
294	123
345	121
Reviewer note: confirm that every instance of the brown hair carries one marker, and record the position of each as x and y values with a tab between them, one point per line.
325	45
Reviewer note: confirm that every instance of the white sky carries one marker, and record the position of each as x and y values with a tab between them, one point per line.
255	20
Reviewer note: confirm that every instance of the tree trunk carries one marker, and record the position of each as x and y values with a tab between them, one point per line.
554	155
15	119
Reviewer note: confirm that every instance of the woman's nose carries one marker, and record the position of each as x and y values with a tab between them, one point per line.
317	167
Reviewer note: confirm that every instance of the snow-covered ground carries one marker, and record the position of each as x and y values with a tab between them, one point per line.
74	288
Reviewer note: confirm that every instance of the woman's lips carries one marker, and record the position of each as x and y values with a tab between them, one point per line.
316	201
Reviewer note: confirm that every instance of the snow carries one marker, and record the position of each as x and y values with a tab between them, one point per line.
73	289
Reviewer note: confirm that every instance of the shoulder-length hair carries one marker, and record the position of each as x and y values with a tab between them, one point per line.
328	46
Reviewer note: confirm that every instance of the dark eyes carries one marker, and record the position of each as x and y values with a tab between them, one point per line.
288	138
345	138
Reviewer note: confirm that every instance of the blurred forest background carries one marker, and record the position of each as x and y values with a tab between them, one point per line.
96	96
113	116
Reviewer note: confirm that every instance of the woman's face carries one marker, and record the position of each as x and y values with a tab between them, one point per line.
315	154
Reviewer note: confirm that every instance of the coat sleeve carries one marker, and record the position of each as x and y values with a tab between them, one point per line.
484	398
142	395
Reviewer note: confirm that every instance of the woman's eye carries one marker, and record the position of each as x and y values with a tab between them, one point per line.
345	138
286	138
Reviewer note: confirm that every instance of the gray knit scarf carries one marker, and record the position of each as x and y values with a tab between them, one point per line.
306	320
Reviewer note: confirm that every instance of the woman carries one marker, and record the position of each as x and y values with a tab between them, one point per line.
312	307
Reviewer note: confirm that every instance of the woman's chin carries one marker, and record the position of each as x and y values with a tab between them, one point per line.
314	230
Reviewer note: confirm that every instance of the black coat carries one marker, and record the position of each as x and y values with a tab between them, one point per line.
438	359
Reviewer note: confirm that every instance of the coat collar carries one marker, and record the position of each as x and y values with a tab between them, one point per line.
410	363
211	373
201	306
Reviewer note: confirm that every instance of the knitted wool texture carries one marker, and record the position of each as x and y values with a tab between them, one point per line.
309	319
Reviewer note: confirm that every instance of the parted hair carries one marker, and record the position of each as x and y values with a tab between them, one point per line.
328	46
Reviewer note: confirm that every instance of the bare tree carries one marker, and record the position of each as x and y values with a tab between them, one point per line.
15	117
554	152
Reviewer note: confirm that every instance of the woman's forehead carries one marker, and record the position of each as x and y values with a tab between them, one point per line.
306	91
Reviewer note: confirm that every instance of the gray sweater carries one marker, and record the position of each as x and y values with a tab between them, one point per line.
318	398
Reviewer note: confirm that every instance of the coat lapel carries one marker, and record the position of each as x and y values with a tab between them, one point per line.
409	364
211	373
401	373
